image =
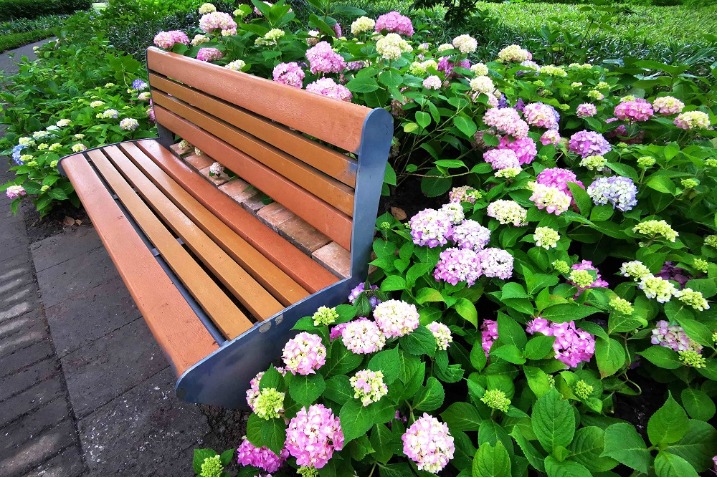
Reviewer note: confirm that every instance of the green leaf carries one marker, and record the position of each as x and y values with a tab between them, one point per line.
587	448
610	356
509	353
341	360
271	379
698	404
553	421
662	357
581	199
601	213
226	456
491	460
467	310
696	330
668	424
554	467
697	446
510	332
430	397
268	433
534	456
462	416
624	444
567	312
423	119
426	294
305	389
667	464
395	469
338	389
362	85
491	432
419	342
392	283
466	125
391	78
386	361
57	193
538	381
539	347
661	184
477	356
201	454
382	442
356	420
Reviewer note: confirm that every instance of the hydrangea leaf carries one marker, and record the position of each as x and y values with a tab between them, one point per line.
491	460
668	424
553	421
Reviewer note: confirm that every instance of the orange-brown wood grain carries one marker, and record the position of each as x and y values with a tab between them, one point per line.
178	330
281	252
336	122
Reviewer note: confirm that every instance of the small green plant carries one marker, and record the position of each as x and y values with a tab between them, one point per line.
207	462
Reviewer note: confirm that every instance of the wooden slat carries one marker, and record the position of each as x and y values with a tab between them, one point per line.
336	122
250	293
291	260
177	329
228	318
317	155
262	269
317	183
316	212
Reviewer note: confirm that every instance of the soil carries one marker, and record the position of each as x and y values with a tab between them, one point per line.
59	219
639	408
410	199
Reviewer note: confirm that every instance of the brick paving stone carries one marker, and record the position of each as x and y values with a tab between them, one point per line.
254	203
275	214
25	379
179	151
139	432
25	357
26	428
35	332
303	235
239	190
107	367
65	280
335	258
36	451
199	162
67	463
89	315
62	247
32	398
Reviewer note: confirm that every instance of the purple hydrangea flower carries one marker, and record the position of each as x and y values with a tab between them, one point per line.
458	265
588	143
470	235
619	191
289	74
431	228
489	334
323	59
361	288
524	148
249	455
670	272
394	22
634	110
496	262
541	115
501	159
572	345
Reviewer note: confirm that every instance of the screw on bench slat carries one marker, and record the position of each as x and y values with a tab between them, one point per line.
155	252
179	240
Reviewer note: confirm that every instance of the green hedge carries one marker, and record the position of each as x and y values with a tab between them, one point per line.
14	9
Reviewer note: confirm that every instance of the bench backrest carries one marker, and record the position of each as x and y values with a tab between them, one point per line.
275	137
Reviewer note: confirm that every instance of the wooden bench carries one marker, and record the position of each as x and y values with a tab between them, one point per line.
219	288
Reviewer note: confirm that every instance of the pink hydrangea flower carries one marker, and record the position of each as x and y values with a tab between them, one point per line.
362	336
14	192
572	345
506	121
429	444
289	74
447	66
586	110
559	178
217	21
501	159
361	288
249	455
313	435
329	88
588	266
634	110
323	59
253	391
167	40
550	198
667	105
209	54
396	318
394	22
550	137
470	235
588	143
673	337
489	334
541	115
496	262
525	149
458	265
430	228
432	83
337	330
304	354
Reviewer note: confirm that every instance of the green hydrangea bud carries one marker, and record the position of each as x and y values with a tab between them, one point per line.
692	358
325	316
212	466
583	390
32	164
385	226
581	278
654	228
593	162
645	162
562	267
539	83
714	337
496	400
689	183
269	404
693	298
711	241
701	265
53	164
711	163
45	188
308	471
621	306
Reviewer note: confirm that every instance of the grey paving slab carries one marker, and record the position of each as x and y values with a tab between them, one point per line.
90	315
44	392
67	463
24	301
16	325
179	465
57	249
33	453
140	432
11	344
12	228
25	357
10	251
14	274
110	366
69	278
27	427
16	383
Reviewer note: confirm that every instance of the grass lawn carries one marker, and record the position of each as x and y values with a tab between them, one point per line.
16	33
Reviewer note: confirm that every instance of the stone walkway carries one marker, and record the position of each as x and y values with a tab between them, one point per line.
84	389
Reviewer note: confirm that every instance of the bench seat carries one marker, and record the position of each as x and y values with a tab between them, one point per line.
218	287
